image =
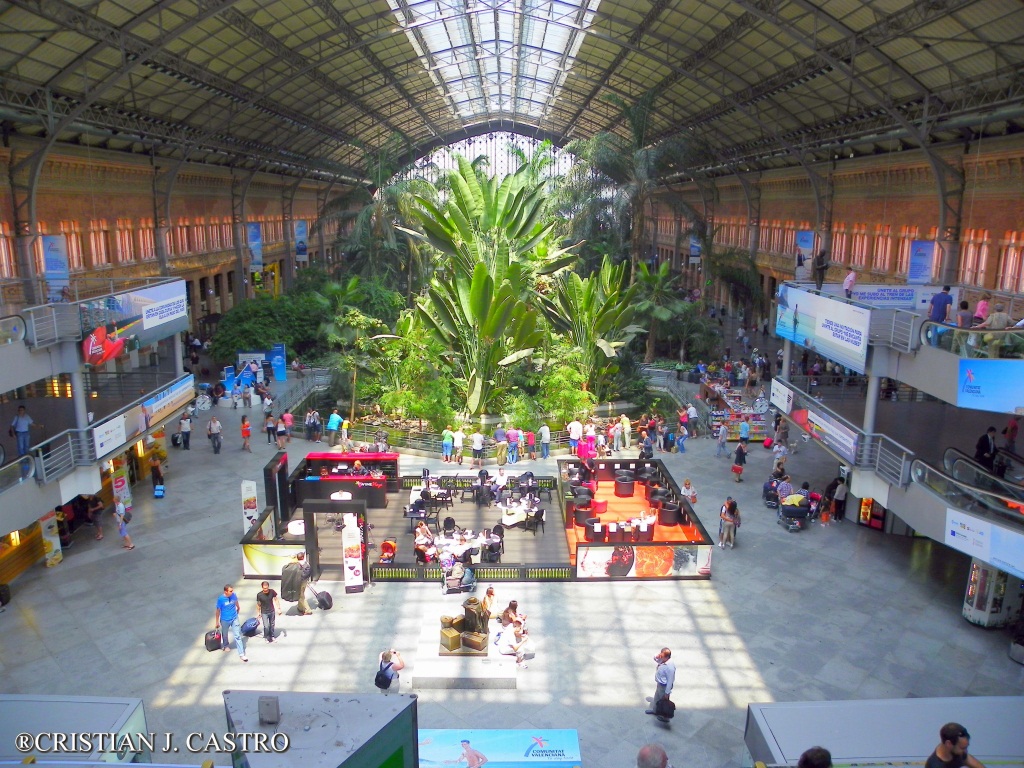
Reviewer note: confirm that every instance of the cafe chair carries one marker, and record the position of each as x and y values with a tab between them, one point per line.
499	531
614	533
422	558
534	521
599	506
491	553
450	528
593	531
432	512
444	499
546	491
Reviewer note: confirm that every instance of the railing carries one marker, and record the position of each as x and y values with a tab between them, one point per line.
17	472
965	469
967	497
59	455
894	328
12	329
885	457
312	380
971	343
52	323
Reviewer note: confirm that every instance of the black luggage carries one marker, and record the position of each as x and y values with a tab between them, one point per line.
665	710
176	439
291	582
5	594
323	599
213	640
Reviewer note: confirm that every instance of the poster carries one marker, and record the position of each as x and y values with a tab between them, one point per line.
279	362
56	267
922	262
254	236
352	552
52	552
804	248
119	479
990	384
500	748
781	396
834	329
112	434
250	507
118	324
696	248
625	561
987	541
301	242
829	431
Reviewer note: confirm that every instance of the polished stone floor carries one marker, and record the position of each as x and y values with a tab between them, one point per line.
830	613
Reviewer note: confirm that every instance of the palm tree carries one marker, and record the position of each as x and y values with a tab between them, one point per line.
659	301
621	174
737	269
695	332
595	315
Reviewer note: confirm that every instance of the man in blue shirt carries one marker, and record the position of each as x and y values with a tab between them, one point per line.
745	430
333	423
938	311
20	428
226	618
664	679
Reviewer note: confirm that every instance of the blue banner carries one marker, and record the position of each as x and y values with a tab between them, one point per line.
228	379
805	244
696	248
922	260
56	268
834	329
301	242
499	748
254	234
279	362
990	384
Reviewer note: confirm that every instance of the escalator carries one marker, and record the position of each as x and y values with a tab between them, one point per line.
964	469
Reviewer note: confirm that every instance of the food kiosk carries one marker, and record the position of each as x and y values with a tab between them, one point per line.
728	407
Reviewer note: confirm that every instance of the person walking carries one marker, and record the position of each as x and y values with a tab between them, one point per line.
225	619
215	431
839	499
95	513
246	434
652	755
333	423
730	517
513	436
820	268
123	517
270	425
247	396
664	679
722	439
849	282
156	471
346	426
545	441
627	429
281	429
185	430
20	430
268	606
390	663
739	460
289	423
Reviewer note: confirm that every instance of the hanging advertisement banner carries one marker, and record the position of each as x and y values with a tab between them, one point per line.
623	561
996	545
805	245
990	384
110	435
834	329
254	236
118	324
50	528
119	479
250	505
352	552
57	268
279	362
781	396
541	748
301	242
922	262
696	249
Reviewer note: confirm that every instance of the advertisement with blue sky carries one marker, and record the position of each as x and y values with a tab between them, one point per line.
834	329
990	385
500	748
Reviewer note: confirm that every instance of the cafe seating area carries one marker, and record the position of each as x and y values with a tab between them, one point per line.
626	506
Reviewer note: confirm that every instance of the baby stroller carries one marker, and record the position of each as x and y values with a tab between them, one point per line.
814	499
388	551
769	493
795	517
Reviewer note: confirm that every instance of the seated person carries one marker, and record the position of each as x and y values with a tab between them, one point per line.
423	540
511	614
512	642
805	489
648	519
785	487
357	468
588	470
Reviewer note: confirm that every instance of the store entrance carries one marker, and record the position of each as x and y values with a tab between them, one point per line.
327	528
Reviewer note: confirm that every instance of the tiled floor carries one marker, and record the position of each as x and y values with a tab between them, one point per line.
829	613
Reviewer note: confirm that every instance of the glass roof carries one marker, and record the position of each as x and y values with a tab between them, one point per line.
503	59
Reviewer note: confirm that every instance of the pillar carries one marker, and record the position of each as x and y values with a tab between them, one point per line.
179	355
79	398
871	406
787	359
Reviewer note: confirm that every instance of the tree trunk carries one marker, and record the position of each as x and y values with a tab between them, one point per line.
652	334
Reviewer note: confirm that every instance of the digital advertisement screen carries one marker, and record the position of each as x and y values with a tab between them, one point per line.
834	329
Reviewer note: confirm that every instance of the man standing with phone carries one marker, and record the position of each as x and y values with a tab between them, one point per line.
664	679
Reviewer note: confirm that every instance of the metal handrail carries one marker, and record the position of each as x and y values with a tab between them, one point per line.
965	496
885	457
12	329
965	469
973	343
894	328
17	472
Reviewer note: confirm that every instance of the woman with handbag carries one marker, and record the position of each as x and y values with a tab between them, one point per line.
739	460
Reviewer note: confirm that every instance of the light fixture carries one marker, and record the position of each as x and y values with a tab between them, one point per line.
15	538
140	449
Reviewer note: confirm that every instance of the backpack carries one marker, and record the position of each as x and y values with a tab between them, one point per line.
382	680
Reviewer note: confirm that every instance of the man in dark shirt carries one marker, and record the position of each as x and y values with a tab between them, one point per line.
268	606
952	751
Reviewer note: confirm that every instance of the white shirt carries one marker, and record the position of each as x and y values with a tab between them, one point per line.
691	413
185	425
589	430
459	437
477	441
575	430
545	430
851	278
215	427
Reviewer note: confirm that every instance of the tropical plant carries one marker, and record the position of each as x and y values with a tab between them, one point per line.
737	269
595	317
621	174
697	335
563	391
262	321
659	301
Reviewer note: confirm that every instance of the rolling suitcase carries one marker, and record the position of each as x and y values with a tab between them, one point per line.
250	627
158	491
768	442
291	582
213	640
323	599
176	439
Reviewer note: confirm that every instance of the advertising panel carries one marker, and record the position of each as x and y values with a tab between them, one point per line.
301	242
122	485
113	433
52	552
542	747
642	562
834	329
831	432
250	367
254	236
990	385
250	506
781	396
805	245
922	262
914	298
110	435
352	552
115	325
996	545
279	362
696	248
55	265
